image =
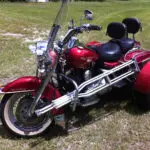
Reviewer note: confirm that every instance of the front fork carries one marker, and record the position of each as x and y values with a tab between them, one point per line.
42	87
39	93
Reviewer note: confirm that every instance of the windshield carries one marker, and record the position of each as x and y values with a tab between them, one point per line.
57	25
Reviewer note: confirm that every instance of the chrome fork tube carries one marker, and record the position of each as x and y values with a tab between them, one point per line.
39	93
42	87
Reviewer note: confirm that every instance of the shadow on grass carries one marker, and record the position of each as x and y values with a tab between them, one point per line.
112	102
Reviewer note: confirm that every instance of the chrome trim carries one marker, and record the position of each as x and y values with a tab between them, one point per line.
75	92
71	97
57	103
146	60
2	93
99	88
105	74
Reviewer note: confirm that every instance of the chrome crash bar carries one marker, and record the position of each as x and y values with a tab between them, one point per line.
109	77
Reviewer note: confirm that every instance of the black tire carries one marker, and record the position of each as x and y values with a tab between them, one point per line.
16	121
142	100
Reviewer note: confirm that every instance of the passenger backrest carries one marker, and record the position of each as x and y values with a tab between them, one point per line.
116	30
133	25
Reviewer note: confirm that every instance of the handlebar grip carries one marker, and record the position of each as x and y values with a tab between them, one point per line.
94	27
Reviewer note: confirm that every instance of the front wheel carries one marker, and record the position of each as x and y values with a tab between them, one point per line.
14	117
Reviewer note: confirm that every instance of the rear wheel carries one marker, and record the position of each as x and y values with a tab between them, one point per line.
142	100
14	116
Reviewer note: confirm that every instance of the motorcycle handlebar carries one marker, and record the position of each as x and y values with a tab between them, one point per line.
94	27
70	33
77	30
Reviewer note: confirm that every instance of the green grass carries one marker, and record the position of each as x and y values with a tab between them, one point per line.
118	125
33	20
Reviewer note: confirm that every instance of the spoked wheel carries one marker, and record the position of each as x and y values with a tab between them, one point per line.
14	116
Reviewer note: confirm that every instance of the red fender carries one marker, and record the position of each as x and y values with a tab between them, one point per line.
142	83
32	83
21	84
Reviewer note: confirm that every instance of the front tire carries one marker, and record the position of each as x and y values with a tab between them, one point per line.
14	117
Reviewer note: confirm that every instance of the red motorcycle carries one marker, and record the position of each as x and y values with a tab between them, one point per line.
69	74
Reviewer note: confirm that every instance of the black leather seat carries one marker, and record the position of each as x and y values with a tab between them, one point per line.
117	31
109	51
114	49
126	44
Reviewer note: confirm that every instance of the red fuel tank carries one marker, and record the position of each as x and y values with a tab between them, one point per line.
80	57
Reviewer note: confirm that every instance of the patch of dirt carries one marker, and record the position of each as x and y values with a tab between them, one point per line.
4	81
14	35
32	39
37	35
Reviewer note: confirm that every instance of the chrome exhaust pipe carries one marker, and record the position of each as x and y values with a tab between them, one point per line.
57	103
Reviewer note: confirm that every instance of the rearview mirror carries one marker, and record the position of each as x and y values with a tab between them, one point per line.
71	24
88	15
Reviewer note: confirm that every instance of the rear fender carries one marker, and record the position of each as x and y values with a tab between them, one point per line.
142	83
